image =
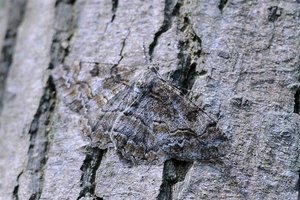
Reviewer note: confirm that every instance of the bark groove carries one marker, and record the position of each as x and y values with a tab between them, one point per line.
40	139
169	12
114	8
16	16
89	168
16	188
174	171
65	23
222	4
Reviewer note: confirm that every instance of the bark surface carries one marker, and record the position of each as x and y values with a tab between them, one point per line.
164	99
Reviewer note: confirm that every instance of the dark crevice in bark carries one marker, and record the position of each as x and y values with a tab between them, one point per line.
179	76
15	192
190	78
222	4
113	71
274	13
169	12
297	102
123	46
89	168
40	138
114	8
16	188
174	171
188	57
16	14
65	23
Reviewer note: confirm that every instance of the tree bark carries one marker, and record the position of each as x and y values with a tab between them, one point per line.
173	99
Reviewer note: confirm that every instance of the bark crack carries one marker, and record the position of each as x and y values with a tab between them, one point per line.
16	15
65	23
190	51
89	168
16	188
222	4
113	71
40	139
174	171
123	46
114	8
274	13
169	12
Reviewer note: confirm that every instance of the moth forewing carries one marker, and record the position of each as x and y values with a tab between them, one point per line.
143	116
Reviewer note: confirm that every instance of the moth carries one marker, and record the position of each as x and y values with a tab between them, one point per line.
146	119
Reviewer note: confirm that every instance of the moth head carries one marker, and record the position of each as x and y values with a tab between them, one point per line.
139	87
142	86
